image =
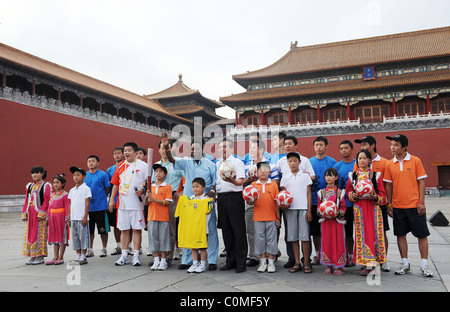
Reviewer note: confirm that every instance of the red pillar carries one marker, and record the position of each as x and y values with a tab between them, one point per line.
428	104
59	94
319	117
81	101
290	115
394	108
236	118
33	91
4	78
349	111
262	117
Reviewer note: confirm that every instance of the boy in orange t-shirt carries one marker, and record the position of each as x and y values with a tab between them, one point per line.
158	200
266	218
405	190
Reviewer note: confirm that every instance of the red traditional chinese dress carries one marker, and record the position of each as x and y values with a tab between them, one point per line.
58	231
333	251
34	211
369	245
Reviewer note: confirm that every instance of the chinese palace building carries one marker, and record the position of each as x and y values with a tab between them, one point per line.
185	102
344	90
55	117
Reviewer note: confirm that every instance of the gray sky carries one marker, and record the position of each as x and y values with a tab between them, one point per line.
142	46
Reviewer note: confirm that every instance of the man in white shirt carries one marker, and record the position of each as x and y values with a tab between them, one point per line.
290	145
128	181
231	209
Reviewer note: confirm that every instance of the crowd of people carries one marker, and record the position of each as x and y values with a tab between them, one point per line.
187	201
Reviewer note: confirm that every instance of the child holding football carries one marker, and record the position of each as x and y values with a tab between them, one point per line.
365	188
331	208
298	216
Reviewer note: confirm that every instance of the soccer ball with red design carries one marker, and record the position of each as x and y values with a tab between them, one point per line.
250	194
364	188
227	170
284	199
252	171
328	209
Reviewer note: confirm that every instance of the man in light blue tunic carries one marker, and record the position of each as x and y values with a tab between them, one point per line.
194	167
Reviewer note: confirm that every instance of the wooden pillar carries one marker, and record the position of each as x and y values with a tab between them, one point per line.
81	101
262	117
319	117
4	78
349	111
428	108
236	118
59	94
117	111
394	108
101	106
290	116
33	90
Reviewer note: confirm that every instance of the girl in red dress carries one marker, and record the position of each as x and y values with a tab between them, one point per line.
333	252
34	214
370	247
58	230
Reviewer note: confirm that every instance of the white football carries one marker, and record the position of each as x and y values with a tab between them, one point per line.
227	170
252	171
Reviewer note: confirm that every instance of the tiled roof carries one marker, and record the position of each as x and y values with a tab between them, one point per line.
335	87
40	65
180	90
356	53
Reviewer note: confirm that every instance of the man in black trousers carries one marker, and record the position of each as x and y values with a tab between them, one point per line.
231	210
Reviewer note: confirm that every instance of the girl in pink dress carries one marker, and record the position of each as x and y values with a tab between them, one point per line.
34	214
333	251
370	247
58	230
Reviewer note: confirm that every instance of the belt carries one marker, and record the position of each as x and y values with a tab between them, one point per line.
230	193
57	210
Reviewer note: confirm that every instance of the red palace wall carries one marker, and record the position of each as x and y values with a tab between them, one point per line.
33	136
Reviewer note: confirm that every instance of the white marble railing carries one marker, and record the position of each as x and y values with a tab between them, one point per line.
25	98
351	126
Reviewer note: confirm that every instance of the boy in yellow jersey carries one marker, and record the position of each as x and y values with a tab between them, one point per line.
192	228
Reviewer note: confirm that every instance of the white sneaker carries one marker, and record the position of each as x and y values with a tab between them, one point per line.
403	269
271	268
30	261
262	266
104	253
136	261
426	271
38	260
200	268
193	267
385	267
89	253
163	266
155	265
122	261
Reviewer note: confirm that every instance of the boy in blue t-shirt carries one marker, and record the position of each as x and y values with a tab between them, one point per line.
320	163
344	167
98	182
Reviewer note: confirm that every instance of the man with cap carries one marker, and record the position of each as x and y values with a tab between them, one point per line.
405	190
378	164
